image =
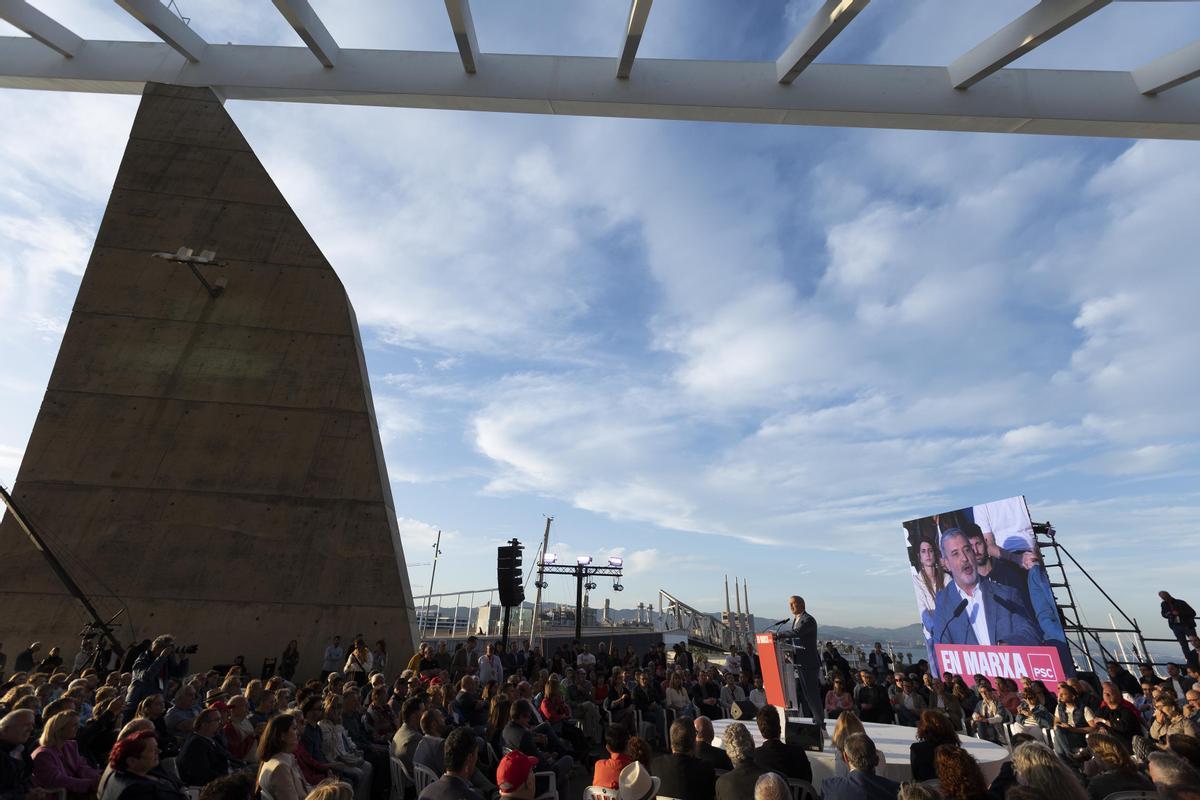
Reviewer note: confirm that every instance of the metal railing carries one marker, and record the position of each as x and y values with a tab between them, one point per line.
452	615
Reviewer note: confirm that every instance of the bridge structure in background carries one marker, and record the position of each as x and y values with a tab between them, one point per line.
979	91
457	615
701	628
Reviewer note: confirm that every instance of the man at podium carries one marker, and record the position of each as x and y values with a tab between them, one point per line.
807	661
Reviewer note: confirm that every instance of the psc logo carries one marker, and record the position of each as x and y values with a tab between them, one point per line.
1041	667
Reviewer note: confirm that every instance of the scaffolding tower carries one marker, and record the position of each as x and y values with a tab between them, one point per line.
1084	640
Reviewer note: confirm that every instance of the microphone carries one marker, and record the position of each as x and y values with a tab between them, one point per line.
957	613
777	624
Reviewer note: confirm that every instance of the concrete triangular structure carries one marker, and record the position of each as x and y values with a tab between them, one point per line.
212	465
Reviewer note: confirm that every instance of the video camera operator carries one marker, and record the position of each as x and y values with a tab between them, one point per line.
153	670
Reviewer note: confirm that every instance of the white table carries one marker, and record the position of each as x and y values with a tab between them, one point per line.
892	741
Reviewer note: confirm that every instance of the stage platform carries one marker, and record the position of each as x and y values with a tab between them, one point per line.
891	740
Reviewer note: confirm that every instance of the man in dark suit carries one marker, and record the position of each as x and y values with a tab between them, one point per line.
788	760
862	783
972	609
460	754
1180	617
806	659
201	760
518	735
681	773
715	757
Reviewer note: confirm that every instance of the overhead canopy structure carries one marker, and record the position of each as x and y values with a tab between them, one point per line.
977	92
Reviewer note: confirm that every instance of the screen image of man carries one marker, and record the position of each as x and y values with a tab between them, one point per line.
972	609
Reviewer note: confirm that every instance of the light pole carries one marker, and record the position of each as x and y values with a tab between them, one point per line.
581	569
429	597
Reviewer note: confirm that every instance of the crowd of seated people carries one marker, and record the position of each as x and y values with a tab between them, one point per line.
637	723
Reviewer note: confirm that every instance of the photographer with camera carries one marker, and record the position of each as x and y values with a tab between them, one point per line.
153	671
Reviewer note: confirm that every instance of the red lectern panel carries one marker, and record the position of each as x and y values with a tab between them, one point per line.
771	662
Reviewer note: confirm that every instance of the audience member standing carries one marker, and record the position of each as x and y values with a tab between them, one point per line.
880	662
332	660
359	663
24	659
289	661
490	667
1180	617
152	673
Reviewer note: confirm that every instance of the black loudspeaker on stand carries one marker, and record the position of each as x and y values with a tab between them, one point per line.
509	581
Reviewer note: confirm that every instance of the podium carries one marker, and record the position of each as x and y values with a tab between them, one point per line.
779	676
779	684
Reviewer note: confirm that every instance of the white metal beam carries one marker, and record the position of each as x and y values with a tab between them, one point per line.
1035	27
635	26
1063	102
830	20
464	33
307	23
166	26
1173	69
25	17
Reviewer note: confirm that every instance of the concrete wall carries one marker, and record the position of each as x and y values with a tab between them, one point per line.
212	464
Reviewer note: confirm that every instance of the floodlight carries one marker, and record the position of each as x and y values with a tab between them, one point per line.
617	587
616	561
583	561
549	558
589	586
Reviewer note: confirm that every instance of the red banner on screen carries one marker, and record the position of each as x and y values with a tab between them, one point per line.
1001	661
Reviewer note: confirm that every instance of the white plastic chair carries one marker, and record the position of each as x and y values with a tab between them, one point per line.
423	776
401	780
264	780
668	718
551	792
802	789
598	792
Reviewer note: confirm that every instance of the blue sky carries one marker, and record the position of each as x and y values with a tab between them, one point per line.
711	348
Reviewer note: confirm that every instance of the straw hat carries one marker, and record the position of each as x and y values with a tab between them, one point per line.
635	783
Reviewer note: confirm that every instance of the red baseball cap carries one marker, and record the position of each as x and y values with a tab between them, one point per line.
513	770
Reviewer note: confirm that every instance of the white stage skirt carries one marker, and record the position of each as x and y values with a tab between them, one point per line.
890	740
